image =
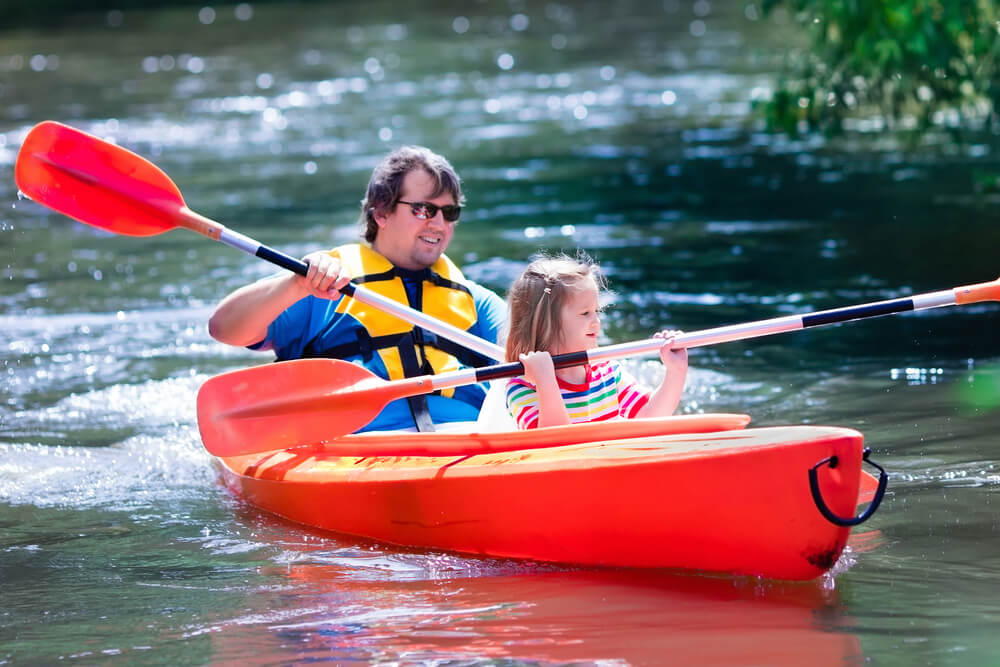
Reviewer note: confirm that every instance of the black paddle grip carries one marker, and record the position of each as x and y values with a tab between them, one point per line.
517	368
282	260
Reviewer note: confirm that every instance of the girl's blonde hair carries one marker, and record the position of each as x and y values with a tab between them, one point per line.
536	298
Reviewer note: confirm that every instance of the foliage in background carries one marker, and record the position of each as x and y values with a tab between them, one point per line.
909	63
981	391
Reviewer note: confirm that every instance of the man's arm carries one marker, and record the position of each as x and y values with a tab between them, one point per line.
242	318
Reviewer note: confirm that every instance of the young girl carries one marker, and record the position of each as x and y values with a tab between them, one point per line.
554	310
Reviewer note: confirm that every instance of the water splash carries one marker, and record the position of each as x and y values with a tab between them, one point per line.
138	442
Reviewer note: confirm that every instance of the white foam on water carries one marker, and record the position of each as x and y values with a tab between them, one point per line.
148	446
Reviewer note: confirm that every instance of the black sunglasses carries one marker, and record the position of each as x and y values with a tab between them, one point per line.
424	210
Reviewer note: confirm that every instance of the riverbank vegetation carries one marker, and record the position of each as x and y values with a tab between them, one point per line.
901	64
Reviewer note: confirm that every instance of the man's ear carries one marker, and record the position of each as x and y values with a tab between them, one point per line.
381	219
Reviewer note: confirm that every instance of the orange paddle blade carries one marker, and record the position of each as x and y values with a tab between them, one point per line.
96	182
300	402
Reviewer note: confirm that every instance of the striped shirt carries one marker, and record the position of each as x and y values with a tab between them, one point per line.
608	392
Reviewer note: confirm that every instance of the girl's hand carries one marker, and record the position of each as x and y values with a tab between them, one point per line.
541	372
663	401
673	360
326	276
538	367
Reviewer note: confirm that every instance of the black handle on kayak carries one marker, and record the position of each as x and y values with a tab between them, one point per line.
883	481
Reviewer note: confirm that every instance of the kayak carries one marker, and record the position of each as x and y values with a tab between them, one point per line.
691	492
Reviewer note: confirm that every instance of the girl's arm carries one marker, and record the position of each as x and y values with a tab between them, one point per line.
539	371
666	397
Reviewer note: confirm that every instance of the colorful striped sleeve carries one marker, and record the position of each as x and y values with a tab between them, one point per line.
522	403
631	396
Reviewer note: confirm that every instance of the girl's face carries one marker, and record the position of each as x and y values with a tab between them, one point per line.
579	319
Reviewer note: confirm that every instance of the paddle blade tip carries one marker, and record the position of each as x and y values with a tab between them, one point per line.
95	181
289	404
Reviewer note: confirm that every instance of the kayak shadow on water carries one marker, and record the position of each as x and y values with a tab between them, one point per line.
545	617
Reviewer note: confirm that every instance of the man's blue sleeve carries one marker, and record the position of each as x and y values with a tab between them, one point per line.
491	311
289	333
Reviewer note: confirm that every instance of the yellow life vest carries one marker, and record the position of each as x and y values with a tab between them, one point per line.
404	349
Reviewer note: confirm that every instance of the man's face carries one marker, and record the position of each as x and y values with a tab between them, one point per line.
406	240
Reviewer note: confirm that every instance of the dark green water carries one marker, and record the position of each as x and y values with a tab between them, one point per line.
621	128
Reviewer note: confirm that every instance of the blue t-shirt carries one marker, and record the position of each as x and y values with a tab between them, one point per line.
308	318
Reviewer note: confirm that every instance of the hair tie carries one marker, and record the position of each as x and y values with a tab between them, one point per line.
548	290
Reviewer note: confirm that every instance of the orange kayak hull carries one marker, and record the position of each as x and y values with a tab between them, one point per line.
734	501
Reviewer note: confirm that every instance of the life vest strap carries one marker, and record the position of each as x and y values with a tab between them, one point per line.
375	277
440	281
366	345
412	367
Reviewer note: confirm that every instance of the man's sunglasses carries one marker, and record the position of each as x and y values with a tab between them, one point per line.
423	210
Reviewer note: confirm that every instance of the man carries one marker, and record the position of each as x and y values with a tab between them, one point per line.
409	213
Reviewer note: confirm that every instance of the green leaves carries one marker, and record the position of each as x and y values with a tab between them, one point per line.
908	61
981	391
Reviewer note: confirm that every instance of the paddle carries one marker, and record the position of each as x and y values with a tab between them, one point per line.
315	400
109	187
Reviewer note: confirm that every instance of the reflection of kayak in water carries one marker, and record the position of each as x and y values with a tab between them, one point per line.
613	617
693	492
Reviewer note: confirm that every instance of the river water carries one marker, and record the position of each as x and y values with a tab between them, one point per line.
622	128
